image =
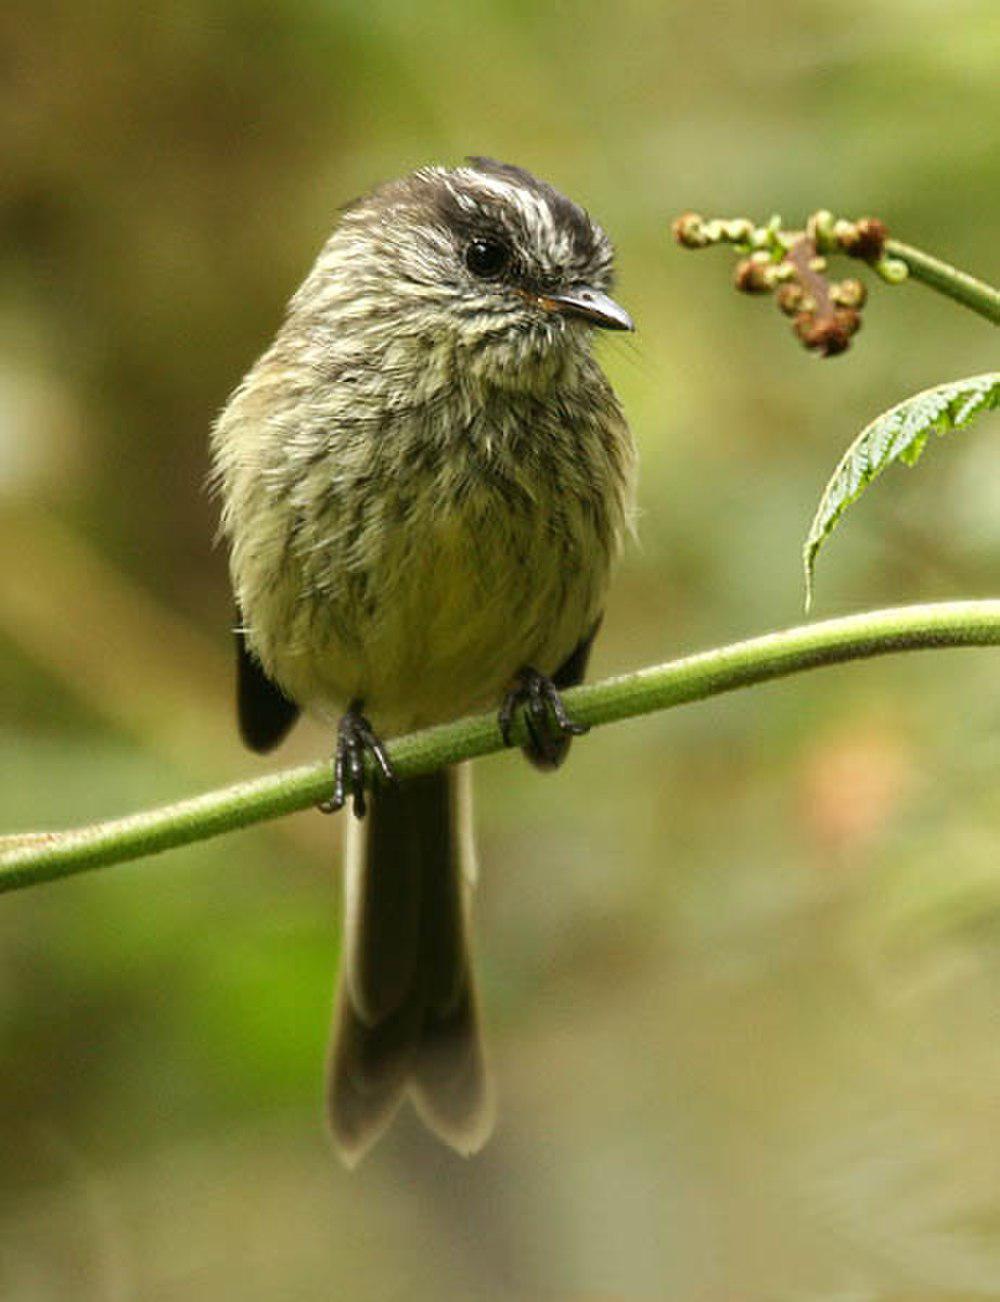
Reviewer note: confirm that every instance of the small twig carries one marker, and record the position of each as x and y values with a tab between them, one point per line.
792	265
822	320
776	655
948	280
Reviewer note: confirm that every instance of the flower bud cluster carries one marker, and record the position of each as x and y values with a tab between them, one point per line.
792	265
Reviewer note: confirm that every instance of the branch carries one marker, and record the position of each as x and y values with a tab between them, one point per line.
29	858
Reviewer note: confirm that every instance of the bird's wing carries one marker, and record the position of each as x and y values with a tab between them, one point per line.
265	713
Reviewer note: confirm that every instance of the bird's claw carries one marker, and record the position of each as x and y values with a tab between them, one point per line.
355	739
545	715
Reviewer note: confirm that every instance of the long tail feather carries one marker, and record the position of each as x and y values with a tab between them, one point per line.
407	1018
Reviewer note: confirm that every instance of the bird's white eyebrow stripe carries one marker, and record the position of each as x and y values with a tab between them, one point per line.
534	208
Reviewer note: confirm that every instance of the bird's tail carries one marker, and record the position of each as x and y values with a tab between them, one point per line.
407	1019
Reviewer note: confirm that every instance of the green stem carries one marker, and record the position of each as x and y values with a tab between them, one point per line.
40	857
958	285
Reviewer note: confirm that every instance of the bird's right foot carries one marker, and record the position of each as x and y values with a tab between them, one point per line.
355	739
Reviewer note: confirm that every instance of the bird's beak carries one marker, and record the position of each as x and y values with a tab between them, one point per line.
590	304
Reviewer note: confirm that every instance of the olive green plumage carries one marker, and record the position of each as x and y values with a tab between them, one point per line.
425	481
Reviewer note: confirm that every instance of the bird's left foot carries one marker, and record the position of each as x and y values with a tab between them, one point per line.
549	725
355	739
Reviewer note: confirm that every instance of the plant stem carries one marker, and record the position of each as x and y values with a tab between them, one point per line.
892	259
959	285
38	857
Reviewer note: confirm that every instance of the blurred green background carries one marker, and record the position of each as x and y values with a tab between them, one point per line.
740	961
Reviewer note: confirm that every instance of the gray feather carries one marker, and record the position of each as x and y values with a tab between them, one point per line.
407	1018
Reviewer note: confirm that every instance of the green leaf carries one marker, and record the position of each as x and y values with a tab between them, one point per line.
899	434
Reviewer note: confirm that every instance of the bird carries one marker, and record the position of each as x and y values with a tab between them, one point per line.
425	482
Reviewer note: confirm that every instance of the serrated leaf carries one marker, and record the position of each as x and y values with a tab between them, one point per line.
899	434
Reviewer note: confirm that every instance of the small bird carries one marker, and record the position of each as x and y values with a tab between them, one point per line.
425	481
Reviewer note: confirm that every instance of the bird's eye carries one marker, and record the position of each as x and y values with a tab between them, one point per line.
487	258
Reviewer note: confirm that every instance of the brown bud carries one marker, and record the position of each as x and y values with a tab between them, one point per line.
848	319
864	238
688	230
750	277
849	293
831	334
789	298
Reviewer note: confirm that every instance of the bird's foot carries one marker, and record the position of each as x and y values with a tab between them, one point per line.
355	739
545	717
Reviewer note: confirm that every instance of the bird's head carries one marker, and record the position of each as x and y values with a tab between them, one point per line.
482	267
